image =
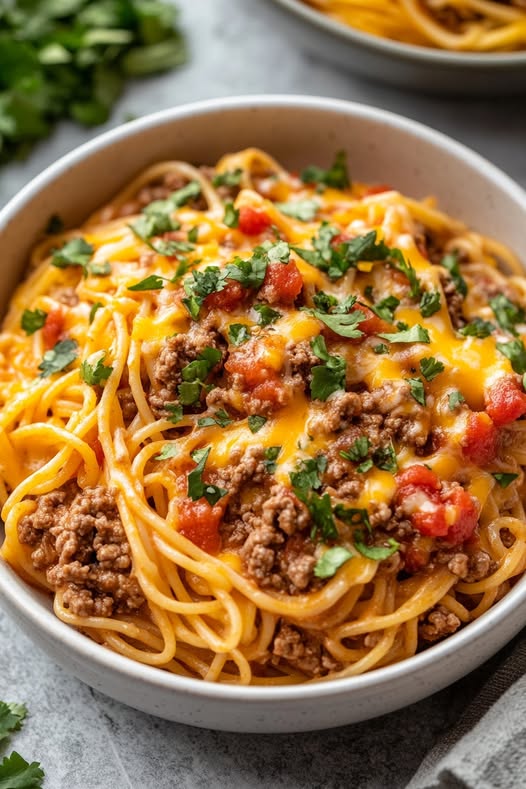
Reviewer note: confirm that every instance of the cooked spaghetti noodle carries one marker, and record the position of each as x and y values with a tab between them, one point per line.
260	428
459	25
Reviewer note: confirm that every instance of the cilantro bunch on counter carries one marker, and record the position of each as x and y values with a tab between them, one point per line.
70	59
15	772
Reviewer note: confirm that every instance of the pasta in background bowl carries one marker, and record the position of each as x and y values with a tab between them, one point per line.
417	162
402	44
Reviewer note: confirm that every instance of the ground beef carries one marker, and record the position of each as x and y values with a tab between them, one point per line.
336	414
176	353
299	361
127	404
440	622
471	568
454	302
81	545
285	510
302	650
244	467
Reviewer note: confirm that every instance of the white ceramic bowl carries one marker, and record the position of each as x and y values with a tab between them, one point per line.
297	130
418	68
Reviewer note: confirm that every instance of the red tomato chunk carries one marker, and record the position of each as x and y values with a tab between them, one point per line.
253	221
228	298
505	401
53	328
480	443
282	284
199	522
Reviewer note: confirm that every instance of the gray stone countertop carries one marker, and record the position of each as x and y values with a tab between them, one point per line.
85	740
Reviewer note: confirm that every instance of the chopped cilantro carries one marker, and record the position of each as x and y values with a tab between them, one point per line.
193	234
185	194
429	303
231	217
455	399
477	328
307	474
399	263
336	259
220	418
376	552
385	308
451	263
417	390
197	488
32	320
415	334
200	285
384	458
366	466
324	301
504	479
228	178
329	377
169	450
175	410
95	306
11	718
321	513
195	374
507	314
266	315
271	455
353	516
250	273
430	368
344	324
99	269
238	333
76	252
516	353
256	422
336	176
16	773
94	375
381	348
358	450
58	358
331	561
304	210
153	282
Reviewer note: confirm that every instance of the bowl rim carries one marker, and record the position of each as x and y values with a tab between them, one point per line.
20	595
436	57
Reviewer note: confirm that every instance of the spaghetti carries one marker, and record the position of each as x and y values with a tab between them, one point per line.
260	428
458	25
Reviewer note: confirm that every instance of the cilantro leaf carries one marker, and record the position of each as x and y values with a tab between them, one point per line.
343	324
238	333
32	320
336	259
376	552
58	358
197	488
331	561
195	373
16	773
304	210
336	176
220	418
326	378
507	313
429	303
94	375
250	273
193	234
417	390
358	451
153	282
266	315
477	328
307	474
99	269
455	399
451	263
381	348
76	252
190	191
95	306
384	458
11	718
385	308
176	411
504	479
169	450
256	422
415	334
231	217
516	353
228	178
321	513
324	301
271	455
353	516
399	263
202	284
430	368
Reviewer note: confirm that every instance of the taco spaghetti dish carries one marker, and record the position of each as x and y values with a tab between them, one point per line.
458	25
261	427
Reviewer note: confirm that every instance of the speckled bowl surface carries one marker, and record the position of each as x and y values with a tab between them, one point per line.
297	130
423	69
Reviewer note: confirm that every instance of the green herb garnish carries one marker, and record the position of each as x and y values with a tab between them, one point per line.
331	561
58	358
32	320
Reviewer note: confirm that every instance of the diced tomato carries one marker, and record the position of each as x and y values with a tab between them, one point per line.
99	452
505	401
282	284
228	298
465	516
244	362
377	189
480	443
199	522
271	390
418	476
253	221
53	328
416	556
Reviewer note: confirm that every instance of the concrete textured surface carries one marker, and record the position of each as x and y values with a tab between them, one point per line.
87	741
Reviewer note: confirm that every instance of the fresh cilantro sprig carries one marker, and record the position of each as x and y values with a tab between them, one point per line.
455	399
385	309
377	553
477	328
329	377
95	374
11	718
451	263
256	422
416	333
429	303
194	375
220	418
416	386
331	561
32	320
430	368
337	258
507	314
304	210
228	178
58	358
197	488
15	771
504	479
516	353
238	333
200	285
76	252
266	315
336	176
